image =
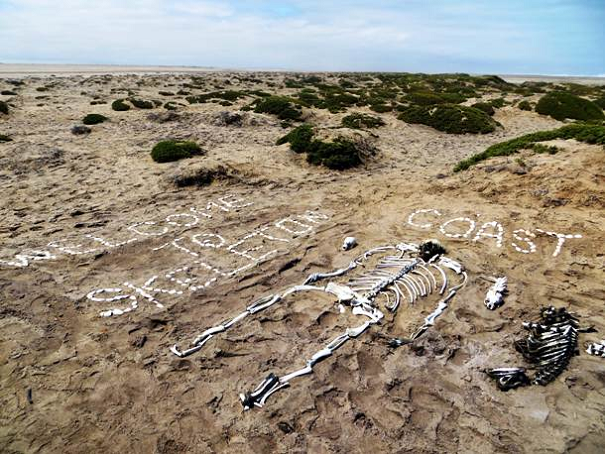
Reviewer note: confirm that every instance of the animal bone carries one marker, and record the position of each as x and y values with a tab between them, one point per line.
495	295
596	349
349	243
551	343
402	268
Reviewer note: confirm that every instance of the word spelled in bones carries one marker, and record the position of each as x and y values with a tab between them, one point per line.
399	274
551	343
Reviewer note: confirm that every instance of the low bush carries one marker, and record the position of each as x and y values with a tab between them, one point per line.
299	138
561	105
540	148
141	103
80	130
450	118
3	107
600	102
165	93
120	105
173	150
8	93
429	98
498	102
361	120
583	132
94	119
485	107
339	154
5	138
525	105
280	106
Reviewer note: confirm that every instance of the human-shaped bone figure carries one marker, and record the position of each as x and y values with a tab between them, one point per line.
399	274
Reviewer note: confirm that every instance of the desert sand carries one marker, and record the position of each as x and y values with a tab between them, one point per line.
74	381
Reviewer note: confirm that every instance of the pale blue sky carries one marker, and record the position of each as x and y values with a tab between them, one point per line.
505	36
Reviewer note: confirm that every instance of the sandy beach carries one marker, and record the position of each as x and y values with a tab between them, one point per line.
94	212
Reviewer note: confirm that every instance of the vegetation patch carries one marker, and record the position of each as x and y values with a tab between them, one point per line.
119	105
3	107
204	177
361	121
141	103
284	108
225	95
450	118
173	150
485	107
8	93
583	132
525	105
561	105
94	119
5	138
339	154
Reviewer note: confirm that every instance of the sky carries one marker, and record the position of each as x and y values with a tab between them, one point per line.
557	37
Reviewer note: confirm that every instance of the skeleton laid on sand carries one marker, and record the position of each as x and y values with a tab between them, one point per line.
552	342
392	274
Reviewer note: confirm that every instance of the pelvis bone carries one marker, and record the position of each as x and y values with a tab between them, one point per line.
398	274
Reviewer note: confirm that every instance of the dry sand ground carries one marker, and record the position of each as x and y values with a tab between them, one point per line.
111	384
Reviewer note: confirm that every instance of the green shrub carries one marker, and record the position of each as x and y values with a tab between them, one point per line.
450	118
498	102
165	93
3	107
141	103
429	98
600	102
172	150
583	132
120	105
94	119
361	120
525	105
338	155
280	106
541	148
5	138
299	138
561	105
381	108
485	107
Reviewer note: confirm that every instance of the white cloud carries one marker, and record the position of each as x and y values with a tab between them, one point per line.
412	35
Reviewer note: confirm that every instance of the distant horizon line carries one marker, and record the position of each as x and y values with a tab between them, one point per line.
266	69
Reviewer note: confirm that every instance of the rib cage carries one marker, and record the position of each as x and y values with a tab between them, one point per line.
551	343
400	275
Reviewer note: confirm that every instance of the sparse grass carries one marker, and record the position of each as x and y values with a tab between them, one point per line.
561	105
361	120
540	148
583	132
450	118
172	150
120	105
94	119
